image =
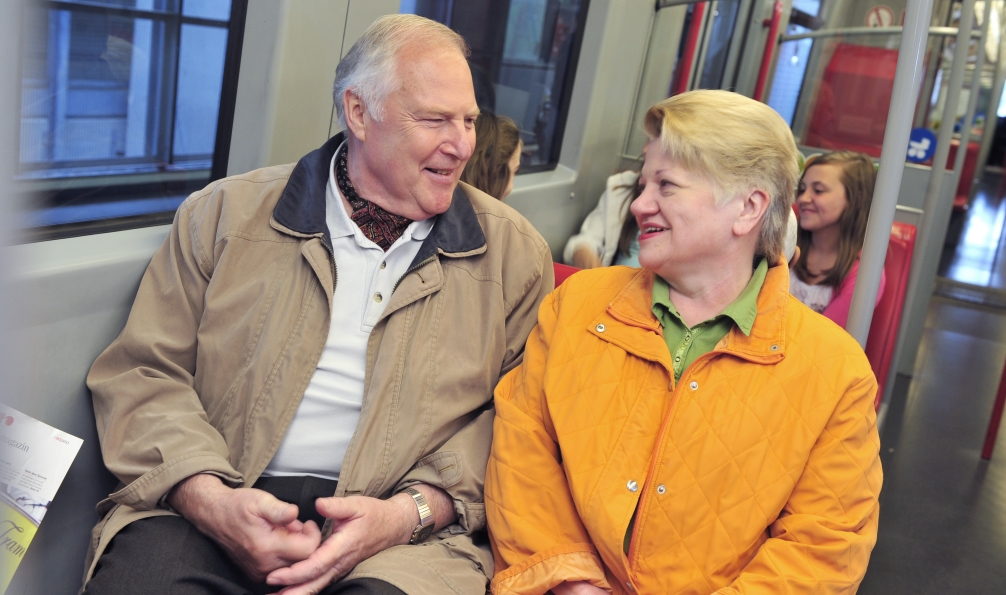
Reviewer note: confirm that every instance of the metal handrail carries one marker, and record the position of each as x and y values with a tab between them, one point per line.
892	166
684	74
839	31
767	54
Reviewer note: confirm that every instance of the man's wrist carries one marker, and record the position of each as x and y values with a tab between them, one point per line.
408	514
192	495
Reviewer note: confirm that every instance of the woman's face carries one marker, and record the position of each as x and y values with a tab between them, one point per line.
822	199
513	164
681	227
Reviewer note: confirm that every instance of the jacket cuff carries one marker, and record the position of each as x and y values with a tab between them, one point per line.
147	491
446	470
546	570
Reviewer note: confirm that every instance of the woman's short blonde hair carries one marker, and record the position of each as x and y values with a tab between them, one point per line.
736	143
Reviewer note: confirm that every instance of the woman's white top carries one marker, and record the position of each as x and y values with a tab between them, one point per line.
601	228
816	297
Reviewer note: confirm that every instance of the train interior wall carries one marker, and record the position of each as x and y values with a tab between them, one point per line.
68	298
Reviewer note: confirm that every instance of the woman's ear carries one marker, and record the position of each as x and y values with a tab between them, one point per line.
753	208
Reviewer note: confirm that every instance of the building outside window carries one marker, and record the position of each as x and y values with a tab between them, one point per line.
119	105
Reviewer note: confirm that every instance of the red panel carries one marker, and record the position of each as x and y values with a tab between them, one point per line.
967	171
887	315
562	272
850	111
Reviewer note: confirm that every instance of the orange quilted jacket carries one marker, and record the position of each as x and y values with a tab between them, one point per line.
757	473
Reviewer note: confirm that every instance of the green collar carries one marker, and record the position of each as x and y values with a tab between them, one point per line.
742	310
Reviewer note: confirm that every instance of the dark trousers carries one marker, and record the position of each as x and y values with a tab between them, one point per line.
168	555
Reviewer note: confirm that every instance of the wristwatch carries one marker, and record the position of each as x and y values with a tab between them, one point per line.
425	527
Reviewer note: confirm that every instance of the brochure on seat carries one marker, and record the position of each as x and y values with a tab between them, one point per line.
34	459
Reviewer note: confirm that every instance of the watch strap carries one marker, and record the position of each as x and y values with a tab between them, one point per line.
425	526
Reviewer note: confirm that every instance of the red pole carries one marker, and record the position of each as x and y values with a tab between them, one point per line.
680	84
770	43
997	416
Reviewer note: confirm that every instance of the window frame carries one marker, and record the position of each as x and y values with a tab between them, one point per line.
39	192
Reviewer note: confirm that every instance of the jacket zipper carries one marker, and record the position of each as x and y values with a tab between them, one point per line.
413	268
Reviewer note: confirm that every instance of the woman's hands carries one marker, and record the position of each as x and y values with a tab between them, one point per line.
585	257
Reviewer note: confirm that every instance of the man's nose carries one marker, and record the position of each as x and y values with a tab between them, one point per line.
461	141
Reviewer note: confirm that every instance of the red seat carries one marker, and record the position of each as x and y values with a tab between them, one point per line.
887	315
562	272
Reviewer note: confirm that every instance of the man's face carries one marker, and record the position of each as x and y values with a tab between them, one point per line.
416	154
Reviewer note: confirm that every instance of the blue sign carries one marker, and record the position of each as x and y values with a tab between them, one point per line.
921	145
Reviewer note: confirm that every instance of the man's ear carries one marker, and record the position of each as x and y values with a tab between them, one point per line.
753	207
356	114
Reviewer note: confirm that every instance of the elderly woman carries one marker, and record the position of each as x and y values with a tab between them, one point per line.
689	427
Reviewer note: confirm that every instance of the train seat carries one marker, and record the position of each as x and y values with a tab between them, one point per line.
887	315
562	272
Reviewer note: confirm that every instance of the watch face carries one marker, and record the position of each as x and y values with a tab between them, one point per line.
422	533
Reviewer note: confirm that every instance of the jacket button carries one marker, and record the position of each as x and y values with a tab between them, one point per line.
378	297
661	489
384	264
694	385
632	485
599	328
628	585
774	348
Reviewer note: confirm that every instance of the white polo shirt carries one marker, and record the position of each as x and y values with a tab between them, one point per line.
317	439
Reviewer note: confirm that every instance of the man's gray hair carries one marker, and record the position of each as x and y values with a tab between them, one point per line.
369	69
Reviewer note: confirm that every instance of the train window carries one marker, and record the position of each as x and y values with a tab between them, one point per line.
791	64
120	106
523	68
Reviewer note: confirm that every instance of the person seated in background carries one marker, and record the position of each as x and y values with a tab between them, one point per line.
496	158
609	235
834	199
301	398
689	427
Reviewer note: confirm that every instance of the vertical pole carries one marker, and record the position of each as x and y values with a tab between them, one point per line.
766	58
892	166
680	84
936	209
976	87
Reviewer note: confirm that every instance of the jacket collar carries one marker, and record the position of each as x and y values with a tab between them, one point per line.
301	209
765	344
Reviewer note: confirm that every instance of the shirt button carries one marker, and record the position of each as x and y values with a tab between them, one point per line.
694	385
599	328
677	359
661	489
384	265
378	297
632	485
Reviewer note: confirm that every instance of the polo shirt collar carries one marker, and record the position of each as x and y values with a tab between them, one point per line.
341	225
742	310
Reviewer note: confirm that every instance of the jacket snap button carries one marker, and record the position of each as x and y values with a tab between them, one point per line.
694	385
661	489
632	485
628	585
599	328
384	265
774	348
378	297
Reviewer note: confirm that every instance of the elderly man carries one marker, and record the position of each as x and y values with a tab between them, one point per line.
334	328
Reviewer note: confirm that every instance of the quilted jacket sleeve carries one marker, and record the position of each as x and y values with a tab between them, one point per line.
153	429
822	541
537	537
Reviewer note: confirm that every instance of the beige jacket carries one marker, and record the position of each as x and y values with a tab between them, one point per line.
230	322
